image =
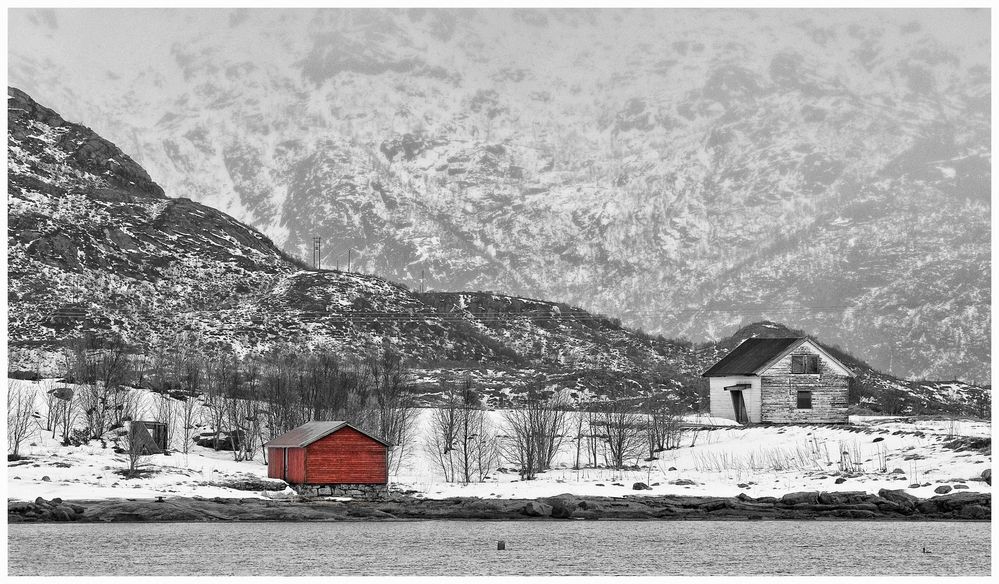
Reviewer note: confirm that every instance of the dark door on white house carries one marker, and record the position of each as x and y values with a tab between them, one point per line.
739	405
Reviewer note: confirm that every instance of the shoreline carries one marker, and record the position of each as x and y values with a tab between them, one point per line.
811	505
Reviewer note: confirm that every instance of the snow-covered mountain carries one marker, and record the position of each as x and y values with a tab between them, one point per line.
684	171
96	247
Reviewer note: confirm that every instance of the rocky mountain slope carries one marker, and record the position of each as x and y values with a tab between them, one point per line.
684	171
95	246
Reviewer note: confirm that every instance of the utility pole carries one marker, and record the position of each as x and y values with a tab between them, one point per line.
422	289
317	246
348	259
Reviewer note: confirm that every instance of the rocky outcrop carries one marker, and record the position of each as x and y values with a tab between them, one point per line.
42	510
82	146
887	504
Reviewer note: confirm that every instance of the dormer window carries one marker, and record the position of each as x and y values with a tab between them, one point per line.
804	363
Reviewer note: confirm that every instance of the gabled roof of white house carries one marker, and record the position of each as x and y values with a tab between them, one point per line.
754	356
310	432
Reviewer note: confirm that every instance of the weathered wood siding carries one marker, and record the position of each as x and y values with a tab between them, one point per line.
346	456
721	400
779	390
275	463
296	466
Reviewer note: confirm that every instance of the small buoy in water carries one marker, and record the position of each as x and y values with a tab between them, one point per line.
924	550
501	545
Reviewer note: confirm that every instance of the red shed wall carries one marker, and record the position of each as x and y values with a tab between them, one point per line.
296	466
275	463
346	456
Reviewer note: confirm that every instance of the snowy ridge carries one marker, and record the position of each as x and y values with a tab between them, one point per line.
109	255
672	168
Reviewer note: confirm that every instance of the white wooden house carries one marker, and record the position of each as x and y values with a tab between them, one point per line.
781	380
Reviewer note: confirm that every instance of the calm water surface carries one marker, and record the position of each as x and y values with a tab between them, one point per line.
449	548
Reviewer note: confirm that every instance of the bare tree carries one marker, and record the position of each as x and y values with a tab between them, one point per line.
20	407
279	383
166	412
52	406
462	442
70	413
444	431
535	429
221	382
135	449
242	412
101	371
188	370
620	428
663	429
394	403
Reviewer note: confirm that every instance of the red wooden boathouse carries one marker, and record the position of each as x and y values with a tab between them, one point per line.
328	453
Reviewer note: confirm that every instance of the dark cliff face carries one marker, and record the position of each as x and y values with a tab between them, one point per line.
84	149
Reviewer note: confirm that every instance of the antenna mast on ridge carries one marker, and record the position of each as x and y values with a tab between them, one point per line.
317	246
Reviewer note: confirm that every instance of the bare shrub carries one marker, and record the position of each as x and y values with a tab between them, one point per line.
20	407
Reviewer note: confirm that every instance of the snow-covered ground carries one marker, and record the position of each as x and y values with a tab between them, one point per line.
886	452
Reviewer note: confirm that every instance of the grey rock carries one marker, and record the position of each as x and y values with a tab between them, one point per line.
800	497
976	512
899	497
942	490
562	506
63	514
536	509
641	487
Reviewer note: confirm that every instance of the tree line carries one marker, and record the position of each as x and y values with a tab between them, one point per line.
241	401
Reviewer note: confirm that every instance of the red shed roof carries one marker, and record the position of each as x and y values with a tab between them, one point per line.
309	432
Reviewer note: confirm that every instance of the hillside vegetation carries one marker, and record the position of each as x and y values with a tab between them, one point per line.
686	171
96	251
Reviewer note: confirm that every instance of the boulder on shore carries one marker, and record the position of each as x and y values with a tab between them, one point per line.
900	498
537	509
797	498
562	506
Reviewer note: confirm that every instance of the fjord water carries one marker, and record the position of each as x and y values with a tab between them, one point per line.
548	548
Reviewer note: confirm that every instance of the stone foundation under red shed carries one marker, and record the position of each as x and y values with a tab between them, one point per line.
357	491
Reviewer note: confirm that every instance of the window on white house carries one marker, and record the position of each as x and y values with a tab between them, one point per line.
804	400
804	363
